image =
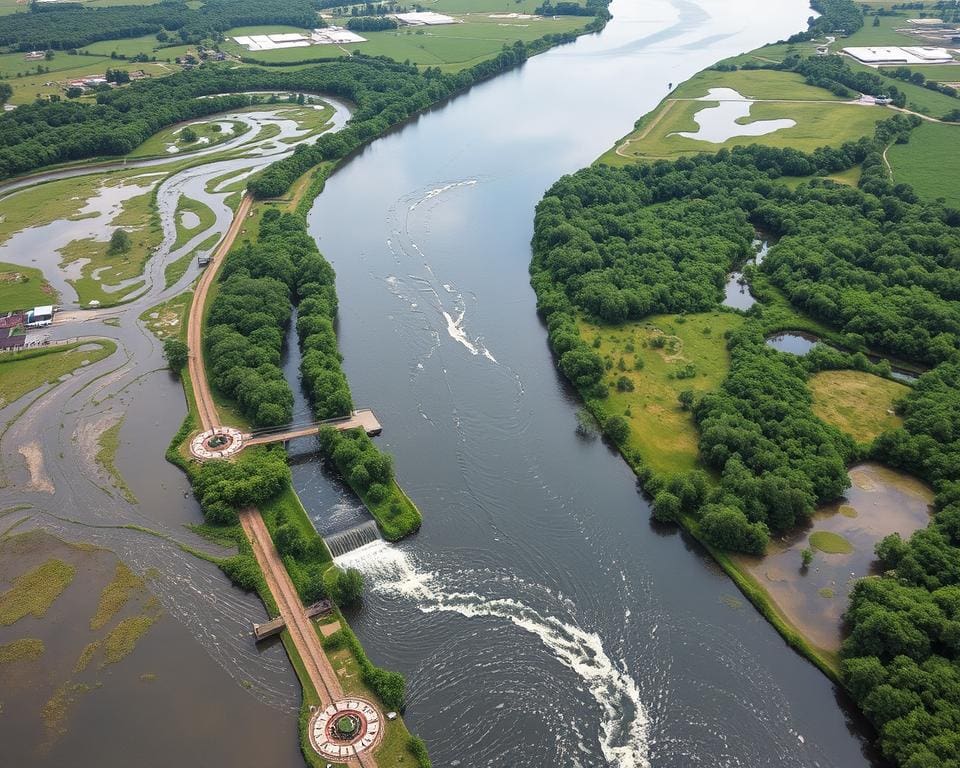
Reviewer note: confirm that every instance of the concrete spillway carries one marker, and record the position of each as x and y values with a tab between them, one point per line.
352	538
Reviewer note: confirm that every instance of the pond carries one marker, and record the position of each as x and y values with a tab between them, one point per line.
879	502
721	122
793	342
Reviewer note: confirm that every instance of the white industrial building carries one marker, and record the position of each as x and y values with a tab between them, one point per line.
424	19
878	56
335	36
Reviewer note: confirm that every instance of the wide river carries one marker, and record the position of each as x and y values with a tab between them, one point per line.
539	617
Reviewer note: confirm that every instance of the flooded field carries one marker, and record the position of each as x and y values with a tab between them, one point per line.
842	537
101	664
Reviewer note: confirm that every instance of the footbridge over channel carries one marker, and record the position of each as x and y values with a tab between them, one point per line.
221	442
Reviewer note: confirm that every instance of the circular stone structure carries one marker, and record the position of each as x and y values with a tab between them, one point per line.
346	728
217	443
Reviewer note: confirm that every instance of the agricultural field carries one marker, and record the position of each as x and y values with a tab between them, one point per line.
858	403
660	357
451	47
929	162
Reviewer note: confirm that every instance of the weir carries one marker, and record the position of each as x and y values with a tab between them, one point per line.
352	538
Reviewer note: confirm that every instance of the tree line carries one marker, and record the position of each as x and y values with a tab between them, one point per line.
70	26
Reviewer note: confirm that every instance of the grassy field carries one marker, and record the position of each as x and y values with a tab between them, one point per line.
859	403
23	372
40	86
885	34
133	46
170	317
205	219
664	434
14	64
930	162
23	287
452	47
830	543
817	125
754	84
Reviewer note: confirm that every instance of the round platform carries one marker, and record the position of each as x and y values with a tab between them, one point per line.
346	728
217	443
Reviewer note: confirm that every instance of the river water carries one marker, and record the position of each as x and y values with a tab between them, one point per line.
539	616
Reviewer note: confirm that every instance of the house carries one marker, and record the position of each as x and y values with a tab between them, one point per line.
35	55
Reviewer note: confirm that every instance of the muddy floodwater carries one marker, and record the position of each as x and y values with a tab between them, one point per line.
879	502
73	704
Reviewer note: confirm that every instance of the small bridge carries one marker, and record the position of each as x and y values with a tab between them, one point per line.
363	418
352	538
224	442
275	626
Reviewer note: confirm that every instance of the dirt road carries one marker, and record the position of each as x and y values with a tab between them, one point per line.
198	376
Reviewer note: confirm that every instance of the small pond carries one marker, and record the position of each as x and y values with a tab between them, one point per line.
880	501
793	342
736	292
721	122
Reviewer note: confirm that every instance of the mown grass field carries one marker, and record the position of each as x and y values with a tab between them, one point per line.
930	162
451	47
133	46
23	372
753	84
884	34
660	429
13	64
23	287
858	403
817	125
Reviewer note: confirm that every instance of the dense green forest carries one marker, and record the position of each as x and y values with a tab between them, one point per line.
876	264
73	25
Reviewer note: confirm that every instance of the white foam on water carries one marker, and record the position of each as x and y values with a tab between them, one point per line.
624	726
456	332
440	190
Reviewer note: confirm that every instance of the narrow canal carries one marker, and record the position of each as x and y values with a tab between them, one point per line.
539	617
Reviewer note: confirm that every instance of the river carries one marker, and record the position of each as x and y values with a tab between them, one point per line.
539	616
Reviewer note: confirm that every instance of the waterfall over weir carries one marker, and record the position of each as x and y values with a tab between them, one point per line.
352	538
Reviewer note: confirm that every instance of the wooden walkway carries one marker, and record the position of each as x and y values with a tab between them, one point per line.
276	626
363	418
